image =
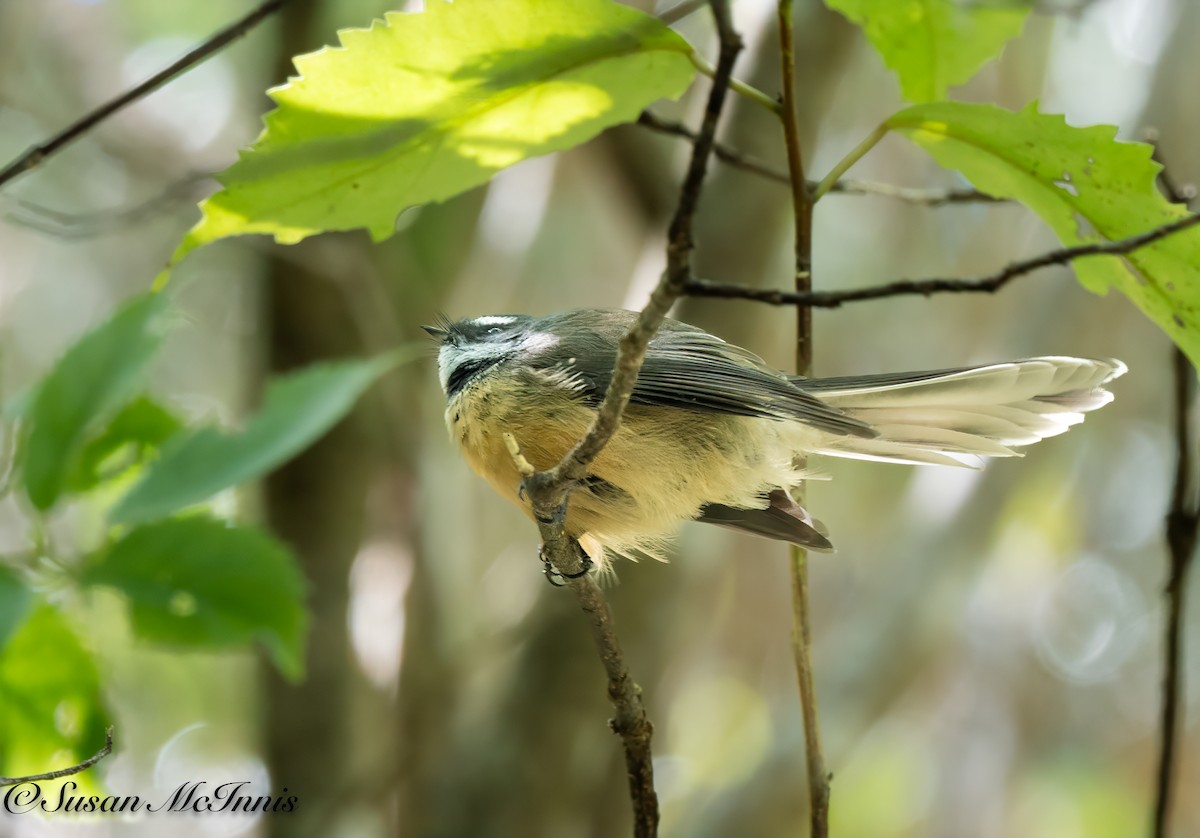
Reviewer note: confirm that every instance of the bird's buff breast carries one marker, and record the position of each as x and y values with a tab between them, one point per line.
657	471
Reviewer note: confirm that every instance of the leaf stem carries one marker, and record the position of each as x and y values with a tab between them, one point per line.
857	153
739	87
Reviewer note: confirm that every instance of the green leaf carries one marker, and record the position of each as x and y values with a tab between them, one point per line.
142	425
1087	187
15	598
297	410
198	582
87	384
423	106
50	707
934	44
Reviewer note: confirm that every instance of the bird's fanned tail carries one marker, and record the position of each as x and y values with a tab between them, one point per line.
955	416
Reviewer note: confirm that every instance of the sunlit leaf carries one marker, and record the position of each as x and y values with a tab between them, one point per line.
85	387
425	105
932	45
297	410
1087	186
50	707
198	582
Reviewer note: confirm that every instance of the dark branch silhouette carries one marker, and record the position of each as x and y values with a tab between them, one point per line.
38	154
1183	525
926	287
1182	529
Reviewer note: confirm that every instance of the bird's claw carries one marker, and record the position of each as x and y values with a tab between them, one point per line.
559	579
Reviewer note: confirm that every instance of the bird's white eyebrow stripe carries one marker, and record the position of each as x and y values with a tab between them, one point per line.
538	341
494	320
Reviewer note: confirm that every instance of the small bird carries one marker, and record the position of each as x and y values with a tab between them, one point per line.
712	433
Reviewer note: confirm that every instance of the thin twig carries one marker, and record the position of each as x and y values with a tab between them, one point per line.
81	225
925	287
746	91
78	768
549	491
38	154
803	196
913	195
848	186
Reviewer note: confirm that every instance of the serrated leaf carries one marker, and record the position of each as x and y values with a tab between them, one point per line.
142	425
1087	187
932	45
198	582
423	106
15	599
85	387
298	408
51	713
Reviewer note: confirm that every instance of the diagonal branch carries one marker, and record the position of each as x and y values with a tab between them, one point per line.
848	186
78	768
549	491
38	154
925	287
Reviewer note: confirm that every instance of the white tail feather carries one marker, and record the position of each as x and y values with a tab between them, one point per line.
954	419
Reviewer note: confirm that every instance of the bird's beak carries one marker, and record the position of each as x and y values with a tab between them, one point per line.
436	332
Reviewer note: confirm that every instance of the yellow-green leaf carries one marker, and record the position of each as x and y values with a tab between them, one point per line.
1087	186
51	713
423	106
932	45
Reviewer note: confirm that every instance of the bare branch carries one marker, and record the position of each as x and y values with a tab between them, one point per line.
549	491
78	768
38	154
747	163
926	287
803	197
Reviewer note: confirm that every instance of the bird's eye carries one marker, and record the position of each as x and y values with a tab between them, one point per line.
495	330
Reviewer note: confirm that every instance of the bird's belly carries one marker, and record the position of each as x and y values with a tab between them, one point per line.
660	467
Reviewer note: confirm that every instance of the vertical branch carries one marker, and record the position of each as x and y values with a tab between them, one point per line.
802	204
1183	521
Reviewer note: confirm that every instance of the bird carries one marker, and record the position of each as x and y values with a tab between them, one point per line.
712	433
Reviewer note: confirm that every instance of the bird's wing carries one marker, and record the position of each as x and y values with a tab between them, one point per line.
689	368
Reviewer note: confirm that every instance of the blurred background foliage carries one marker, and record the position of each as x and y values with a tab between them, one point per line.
987	643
